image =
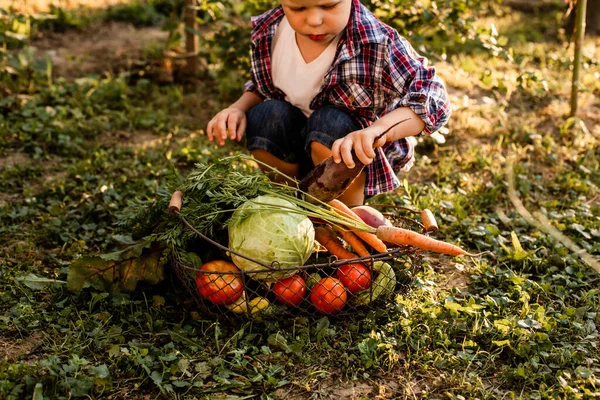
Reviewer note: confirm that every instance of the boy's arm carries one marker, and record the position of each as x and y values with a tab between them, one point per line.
247	101
412	127
418	86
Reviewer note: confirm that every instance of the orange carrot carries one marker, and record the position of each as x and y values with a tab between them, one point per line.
429	221
369	238
399	236
353	240
328	239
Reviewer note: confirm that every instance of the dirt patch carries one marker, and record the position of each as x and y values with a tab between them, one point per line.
15	350
6	199
101	48
328	390
33	6
454	275
386	386
14	160
137	139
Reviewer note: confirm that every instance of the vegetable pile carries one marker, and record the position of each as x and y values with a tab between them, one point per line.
273	251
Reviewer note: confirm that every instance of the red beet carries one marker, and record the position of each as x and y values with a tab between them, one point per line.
328	180
371	216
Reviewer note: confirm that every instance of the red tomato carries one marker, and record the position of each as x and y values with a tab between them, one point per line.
219	288
355	277
328	296
290	290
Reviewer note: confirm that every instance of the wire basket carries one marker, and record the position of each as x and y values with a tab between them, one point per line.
324	285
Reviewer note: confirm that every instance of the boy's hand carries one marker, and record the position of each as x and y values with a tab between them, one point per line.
228	122
362	142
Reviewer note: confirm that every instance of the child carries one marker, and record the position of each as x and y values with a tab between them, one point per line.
327	78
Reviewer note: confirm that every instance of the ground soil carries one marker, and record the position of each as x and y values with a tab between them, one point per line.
107	48
12	350
33	6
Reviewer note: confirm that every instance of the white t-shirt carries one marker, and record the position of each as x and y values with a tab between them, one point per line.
300	81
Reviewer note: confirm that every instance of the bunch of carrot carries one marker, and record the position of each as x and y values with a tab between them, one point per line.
377	237
328	238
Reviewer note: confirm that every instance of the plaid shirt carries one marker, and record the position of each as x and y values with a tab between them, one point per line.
375	71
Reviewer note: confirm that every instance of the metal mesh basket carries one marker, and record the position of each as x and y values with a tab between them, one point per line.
324	285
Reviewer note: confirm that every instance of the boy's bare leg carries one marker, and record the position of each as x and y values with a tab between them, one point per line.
290	170
355	194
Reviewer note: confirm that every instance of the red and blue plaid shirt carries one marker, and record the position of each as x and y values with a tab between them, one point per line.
375	71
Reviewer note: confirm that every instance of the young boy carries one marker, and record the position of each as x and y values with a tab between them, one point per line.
327	78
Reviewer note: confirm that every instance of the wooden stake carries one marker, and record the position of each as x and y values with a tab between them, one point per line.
191	39
579	35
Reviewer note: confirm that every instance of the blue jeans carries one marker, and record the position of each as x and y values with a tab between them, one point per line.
284	131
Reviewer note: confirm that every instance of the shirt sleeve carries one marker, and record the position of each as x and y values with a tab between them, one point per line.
416	85
250	86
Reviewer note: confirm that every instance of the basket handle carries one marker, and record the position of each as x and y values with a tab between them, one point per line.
429	221
176	201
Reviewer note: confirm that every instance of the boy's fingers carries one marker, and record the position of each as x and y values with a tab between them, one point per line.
335	151
367	146
231	126
209	129
360	154
346	152
241	129
221	133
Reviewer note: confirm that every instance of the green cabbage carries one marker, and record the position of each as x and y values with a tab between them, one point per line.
266	230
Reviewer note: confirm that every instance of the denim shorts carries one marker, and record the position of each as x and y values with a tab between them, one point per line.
285	132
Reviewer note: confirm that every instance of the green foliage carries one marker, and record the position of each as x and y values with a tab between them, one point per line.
119	271
451	20
137	13
19	69
62	19
48	124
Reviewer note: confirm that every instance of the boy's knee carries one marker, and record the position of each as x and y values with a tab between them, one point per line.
333	121
271	109
272	116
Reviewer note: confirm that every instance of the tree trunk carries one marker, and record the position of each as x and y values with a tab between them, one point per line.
592	19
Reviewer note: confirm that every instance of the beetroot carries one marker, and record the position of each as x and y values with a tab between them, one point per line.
371	216
328	180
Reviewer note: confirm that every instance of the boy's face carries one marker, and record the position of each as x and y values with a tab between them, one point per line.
318	20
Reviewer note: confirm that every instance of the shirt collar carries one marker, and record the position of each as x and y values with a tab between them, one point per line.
266	24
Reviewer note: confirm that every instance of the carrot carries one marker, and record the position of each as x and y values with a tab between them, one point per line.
399	236
353	240
368	237
429	221
328	239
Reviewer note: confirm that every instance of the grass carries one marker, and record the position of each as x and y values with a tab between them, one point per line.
519	322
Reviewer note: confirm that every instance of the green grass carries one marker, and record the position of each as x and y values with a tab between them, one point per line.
518	322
